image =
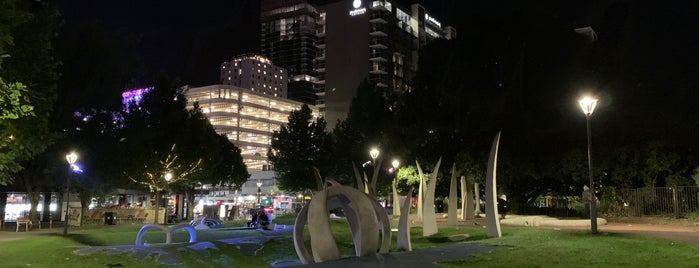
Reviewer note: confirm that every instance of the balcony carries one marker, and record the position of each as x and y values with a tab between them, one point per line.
378	20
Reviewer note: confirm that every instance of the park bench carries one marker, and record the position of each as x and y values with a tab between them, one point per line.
25	221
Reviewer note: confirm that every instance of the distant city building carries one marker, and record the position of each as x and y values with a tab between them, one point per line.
246	117
354	40
288	38
256	73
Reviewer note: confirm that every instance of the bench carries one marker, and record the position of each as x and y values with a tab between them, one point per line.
25	221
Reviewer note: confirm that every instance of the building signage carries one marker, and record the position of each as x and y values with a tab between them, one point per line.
358	9
432	20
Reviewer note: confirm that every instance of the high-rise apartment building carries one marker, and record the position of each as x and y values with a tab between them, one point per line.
355	40
288	38
256	73
374	40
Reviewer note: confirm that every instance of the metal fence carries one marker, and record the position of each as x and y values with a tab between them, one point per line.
677	202
650	201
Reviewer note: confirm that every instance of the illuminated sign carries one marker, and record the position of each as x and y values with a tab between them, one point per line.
358	9
432	20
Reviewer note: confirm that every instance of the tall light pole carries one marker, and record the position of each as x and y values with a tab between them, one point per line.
259	192
396	203
71	158
168	177
588	106
374	153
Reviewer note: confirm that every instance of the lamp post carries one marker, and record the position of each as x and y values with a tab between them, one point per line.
396	204
168	177
588	106
259	192
71	158
374	153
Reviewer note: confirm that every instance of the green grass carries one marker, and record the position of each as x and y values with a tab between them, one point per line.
531	247
521	247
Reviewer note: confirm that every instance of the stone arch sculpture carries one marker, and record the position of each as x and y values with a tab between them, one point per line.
168	232
365	224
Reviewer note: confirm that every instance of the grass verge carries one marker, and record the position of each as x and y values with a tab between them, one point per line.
525	247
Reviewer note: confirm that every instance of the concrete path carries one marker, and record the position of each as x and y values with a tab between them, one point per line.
418	258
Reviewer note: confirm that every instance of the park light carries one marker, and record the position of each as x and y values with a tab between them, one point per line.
168	176
71	158
374	153
395	164
588	104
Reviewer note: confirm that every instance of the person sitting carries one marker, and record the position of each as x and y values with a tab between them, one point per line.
263	221
253	223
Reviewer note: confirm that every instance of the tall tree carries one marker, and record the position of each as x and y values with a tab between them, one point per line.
297	148
33	27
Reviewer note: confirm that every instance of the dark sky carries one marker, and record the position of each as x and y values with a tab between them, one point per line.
189	39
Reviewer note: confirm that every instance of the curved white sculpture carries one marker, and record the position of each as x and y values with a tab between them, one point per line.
168	232
492	221
403	239
429	221
451	212
363	223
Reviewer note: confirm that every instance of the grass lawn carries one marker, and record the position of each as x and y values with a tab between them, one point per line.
524	247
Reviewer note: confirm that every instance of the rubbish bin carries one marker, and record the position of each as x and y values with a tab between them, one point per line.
110	218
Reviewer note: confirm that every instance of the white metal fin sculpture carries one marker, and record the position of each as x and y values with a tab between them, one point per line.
466	201
492	221
429	222
464	197
477	198
396	201
375	176
403	239
420	192
361	186
451	212
366	225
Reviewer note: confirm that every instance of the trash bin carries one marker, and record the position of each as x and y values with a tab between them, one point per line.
110	218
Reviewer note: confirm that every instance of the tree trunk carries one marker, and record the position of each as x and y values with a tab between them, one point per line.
190	203
46	214
157	205
34	201
3	204
85	198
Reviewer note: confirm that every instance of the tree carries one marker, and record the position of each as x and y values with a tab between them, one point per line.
297	148
222	162
29	60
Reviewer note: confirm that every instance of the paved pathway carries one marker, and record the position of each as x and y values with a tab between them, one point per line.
687	234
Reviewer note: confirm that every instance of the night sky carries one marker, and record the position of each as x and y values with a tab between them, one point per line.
189	39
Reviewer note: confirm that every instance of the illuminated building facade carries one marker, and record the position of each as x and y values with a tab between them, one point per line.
288	38
374	40
354	40
246	117
256	73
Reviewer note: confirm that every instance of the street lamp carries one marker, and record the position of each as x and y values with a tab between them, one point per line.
588	106
396	204
374	153
259	191
71	158
168	177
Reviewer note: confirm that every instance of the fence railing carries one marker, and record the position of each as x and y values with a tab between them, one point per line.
675	202
651	201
